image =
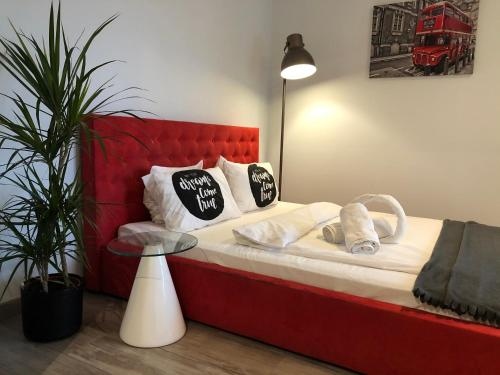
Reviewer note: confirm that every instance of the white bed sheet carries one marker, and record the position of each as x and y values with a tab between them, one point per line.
409	255
216	244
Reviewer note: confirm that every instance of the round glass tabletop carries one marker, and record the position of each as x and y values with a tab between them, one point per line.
148	244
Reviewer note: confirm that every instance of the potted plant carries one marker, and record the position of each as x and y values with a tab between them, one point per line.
41	225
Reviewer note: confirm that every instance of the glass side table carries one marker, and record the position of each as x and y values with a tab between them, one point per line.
153	317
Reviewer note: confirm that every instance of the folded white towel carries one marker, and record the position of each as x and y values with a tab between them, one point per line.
394	235
359	230
333	233
279	231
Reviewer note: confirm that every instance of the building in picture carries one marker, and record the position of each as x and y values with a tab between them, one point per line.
393	29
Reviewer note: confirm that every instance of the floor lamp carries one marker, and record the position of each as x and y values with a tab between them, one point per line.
297	64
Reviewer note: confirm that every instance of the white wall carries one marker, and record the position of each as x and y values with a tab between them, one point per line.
432	142
205	61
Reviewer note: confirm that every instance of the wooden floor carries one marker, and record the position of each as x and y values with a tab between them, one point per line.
97	349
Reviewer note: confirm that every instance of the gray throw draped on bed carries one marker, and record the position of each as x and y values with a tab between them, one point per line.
463	273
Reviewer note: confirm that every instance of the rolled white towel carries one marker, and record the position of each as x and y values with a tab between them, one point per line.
394	235
359	230
333	233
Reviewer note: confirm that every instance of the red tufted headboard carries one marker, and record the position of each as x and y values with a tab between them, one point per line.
112	180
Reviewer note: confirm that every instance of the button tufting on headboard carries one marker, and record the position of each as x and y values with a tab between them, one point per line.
115	178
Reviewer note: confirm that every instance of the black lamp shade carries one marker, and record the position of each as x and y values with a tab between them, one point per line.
297	62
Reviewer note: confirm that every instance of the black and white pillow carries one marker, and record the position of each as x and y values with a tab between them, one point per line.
149	202
193	199
253	185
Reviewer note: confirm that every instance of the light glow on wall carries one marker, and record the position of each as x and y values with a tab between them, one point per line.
321	116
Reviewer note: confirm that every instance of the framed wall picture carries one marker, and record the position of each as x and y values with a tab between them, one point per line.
423	38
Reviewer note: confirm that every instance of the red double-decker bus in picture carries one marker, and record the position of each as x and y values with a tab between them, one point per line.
444	36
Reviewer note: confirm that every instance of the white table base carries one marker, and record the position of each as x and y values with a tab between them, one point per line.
153	317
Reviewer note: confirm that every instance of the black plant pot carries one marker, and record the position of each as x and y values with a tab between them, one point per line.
53	315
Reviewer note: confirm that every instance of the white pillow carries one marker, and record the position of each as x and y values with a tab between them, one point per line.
192	199
252	185
148	200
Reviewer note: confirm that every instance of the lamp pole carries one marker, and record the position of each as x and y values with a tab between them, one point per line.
283	104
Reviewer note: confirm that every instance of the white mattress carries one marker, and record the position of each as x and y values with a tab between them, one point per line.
357	275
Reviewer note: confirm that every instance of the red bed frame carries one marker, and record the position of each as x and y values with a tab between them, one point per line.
358	333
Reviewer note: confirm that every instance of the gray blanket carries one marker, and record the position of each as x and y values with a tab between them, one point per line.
463	273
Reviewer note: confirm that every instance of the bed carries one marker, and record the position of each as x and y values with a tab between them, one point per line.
373	329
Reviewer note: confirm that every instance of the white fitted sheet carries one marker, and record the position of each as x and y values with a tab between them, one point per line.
337	270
